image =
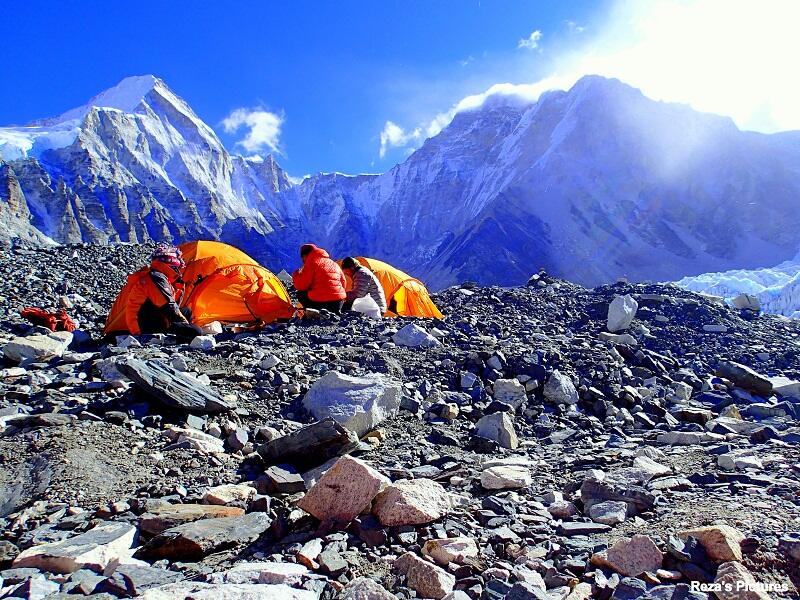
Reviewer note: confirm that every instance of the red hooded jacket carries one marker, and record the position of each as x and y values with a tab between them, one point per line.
321	277
147	288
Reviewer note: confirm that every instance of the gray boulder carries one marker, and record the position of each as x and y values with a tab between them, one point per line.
414	336
357	403
621	312
498	427
559	389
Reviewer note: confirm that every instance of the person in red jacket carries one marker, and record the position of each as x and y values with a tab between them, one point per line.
157	292
320	283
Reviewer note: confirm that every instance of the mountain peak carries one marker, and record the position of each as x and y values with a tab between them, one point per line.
126	96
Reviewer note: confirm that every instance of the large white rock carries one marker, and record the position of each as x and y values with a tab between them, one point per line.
195	439
411	502
414	336
203	342
498	427
226	591
621	312
272	573
510	391
559	389
230	493
650	468
784	386
358	403
747	301
344	491
505	478
38	346
447	550
105	545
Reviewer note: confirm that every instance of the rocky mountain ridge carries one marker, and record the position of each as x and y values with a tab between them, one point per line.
593	183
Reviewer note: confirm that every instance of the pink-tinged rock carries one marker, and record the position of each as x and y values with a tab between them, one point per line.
722	542
428	580
161	518
449	550
562	509
411	502
631	557
736	582
344	491
364	588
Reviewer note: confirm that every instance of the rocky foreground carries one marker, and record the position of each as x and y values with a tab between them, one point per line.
541	442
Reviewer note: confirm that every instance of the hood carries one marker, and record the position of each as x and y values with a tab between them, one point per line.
162	267
317	252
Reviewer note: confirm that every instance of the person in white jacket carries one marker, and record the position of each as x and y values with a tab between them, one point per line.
364	284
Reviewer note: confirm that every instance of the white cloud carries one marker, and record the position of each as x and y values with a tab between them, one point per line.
573	27
729	57
531	42
394	136
264	129
466	61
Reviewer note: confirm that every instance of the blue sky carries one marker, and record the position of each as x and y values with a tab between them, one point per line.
334	76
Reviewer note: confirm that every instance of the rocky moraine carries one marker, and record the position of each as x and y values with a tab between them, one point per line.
546	441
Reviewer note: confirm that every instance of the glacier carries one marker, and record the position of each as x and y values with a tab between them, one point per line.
592	183
777	288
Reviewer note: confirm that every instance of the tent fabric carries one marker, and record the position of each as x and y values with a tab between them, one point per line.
204	257
410	294
222	284
239	294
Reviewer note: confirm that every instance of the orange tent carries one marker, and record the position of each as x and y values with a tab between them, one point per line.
410	296
222	284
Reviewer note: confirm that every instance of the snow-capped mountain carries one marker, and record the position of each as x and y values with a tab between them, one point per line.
592	184
136	163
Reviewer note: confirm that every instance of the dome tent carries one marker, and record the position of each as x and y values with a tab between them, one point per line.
222	284
405	295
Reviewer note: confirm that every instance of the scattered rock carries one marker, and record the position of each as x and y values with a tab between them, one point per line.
450	550
195	540
428	580
745	377
235	494
631	557
414	336
559	389
172	387
364	588
411	502
498	427
505	478
621	312
722	542
358	403
737	583
106	544
344	491
161	518
38	346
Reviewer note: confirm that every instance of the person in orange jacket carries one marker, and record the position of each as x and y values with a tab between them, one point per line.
320	283
153	306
